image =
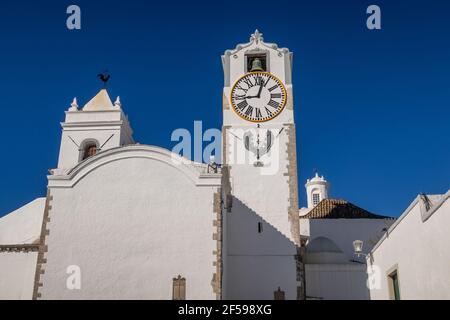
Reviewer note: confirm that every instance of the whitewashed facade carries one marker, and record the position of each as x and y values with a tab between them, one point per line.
415	251
261	223
122	223
123	220
20	233
333	271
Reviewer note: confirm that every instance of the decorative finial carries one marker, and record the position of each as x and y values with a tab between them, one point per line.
257	37
74	105
117	103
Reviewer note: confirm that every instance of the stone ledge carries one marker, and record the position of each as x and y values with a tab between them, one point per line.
19	247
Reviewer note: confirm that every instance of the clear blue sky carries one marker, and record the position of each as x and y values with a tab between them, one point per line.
372	107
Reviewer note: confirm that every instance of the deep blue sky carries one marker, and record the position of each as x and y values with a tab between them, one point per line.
372	107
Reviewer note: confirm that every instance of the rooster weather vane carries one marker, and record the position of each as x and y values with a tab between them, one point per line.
258	147
104	77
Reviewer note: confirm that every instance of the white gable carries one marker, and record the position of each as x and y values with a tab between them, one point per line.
101	101
23	226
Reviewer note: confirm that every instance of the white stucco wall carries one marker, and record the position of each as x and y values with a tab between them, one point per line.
256	264
344	231
23	226
132	222
17	269
420	252
330	275
17	275
336	282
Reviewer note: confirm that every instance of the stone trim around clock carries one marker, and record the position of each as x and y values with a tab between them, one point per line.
43	249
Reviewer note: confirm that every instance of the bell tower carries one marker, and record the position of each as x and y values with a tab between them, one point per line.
97	126
261	223
316	190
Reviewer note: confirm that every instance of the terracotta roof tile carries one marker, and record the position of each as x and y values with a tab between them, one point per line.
340	209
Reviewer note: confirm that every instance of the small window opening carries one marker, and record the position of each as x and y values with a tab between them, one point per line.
89	151
260	227
256	62
316	199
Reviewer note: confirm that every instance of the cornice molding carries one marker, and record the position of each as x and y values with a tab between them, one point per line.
92	124
190	169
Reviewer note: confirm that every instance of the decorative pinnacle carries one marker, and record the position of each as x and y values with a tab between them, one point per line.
117	103
257	37
74	105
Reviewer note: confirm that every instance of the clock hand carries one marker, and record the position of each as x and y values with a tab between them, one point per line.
260	89
259	92
242	97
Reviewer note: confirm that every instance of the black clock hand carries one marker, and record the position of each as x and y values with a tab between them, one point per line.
260	89
243	97
259	93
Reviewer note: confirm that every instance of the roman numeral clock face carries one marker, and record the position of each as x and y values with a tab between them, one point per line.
258	96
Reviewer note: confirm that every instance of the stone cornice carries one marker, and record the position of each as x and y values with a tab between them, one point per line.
93	111
91	124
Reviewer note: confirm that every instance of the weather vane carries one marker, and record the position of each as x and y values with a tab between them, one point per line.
104	77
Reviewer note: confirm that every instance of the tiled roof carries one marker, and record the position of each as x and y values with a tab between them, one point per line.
340	209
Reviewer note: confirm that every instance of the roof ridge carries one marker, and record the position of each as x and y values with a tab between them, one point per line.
340	209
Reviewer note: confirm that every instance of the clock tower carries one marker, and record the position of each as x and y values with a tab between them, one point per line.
261	237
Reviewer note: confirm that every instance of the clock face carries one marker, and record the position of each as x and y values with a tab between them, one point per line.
258	96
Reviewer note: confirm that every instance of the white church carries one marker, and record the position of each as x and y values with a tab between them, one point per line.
123	220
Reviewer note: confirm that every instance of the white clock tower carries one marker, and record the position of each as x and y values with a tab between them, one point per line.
261	238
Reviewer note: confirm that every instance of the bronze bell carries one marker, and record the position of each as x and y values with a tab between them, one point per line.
256	65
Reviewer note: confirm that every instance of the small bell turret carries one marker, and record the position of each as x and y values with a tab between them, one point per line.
256	65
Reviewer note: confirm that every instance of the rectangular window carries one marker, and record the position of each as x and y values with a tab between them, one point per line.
179	288
260	227
316	199
394	285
